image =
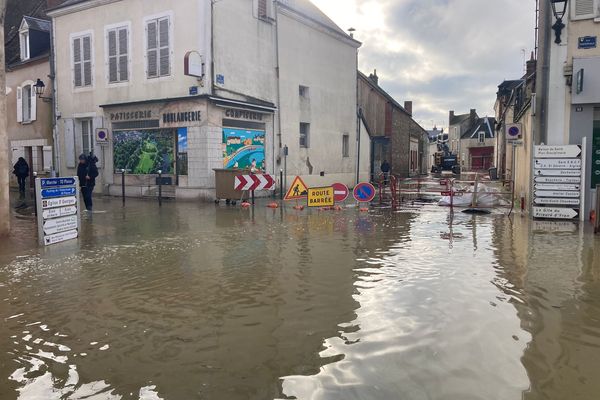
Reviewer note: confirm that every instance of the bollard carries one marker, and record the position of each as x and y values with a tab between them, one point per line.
123	186
35	195
281	184
253	197
160	188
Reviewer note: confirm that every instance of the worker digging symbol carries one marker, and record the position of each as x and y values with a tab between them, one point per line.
298	190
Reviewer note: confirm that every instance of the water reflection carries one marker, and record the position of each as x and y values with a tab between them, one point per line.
200	302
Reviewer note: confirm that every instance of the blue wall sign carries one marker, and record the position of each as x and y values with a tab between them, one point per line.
54	182
58	192
220	79
587	42
193	90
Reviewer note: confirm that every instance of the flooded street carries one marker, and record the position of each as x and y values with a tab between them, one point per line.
202	302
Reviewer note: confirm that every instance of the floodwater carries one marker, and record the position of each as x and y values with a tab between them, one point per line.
202	302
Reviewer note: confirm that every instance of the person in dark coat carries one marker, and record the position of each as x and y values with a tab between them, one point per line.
21	170
385	168
87	172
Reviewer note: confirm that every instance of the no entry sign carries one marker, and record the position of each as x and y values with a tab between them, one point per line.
340	192
364	192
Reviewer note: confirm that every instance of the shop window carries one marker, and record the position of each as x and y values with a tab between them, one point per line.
87	142
182	151
346	146
82	61
158	51
304	134
118	54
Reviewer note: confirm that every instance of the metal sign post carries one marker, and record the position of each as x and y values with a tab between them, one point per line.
58	211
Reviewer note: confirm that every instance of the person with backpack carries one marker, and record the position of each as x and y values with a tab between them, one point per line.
21	170
87	172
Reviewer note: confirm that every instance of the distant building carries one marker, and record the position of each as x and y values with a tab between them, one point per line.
29	117
478	143
395	135
435	138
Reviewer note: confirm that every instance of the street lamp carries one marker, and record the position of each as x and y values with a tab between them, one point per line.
40	87
558	26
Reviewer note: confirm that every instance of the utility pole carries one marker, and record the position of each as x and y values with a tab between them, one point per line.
4	163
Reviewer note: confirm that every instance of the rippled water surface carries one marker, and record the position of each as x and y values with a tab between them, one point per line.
203	302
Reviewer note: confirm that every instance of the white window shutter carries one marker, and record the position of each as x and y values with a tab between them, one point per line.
112	56
123	54
70	156
19	104
77	81
87	61
165	51
33	110
152	49
583	9
47	158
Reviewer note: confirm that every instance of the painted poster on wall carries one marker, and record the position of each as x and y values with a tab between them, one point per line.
243	149
144	152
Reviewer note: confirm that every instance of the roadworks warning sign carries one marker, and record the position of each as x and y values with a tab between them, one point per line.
298	190
321	197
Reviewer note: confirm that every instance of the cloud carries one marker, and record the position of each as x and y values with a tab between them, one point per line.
441	54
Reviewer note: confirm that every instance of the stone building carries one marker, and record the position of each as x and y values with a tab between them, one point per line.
176	89
29	115
395	135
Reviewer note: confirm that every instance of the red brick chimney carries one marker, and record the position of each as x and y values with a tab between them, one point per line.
408	106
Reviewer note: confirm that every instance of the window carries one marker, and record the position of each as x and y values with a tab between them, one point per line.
584	9
82	61
304	134
118	55
303	91
26	103
87	143
346	146
481	137
158	52
262	9
25	50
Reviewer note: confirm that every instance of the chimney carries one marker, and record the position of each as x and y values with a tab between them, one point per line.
473	114
53	3
373	77
408	106
531	65
451	116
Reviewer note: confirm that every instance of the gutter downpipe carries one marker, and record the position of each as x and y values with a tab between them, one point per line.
56	159
277	72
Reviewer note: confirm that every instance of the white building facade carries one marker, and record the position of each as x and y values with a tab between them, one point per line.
189	86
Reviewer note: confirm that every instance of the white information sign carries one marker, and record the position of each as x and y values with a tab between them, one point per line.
558	164
60	237
558	179
58	225
59	212
557	202
61	201
544	186
557	193
558	172
554	213
569	151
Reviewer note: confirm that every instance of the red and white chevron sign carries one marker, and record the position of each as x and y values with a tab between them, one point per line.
254	182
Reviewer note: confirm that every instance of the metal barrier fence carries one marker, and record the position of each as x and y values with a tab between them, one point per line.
477	193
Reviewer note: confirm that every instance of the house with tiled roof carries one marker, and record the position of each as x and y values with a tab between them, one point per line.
478	144
29	114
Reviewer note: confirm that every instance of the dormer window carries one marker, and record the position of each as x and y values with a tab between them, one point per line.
24	36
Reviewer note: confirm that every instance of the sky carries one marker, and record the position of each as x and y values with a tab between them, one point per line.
441	54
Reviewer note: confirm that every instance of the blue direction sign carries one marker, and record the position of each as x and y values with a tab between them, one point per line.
58	192
364	192
54	182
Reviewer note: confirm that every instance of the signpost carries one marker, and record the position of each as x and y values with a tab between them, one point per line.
364	192
321	197
340	192
57	202
557	181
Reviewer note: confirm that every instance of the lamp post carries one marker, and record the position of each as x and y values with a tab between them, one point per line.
40	87
559	9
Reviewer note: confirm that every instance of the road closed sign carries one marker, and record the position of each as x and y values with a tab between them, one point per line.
321	197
